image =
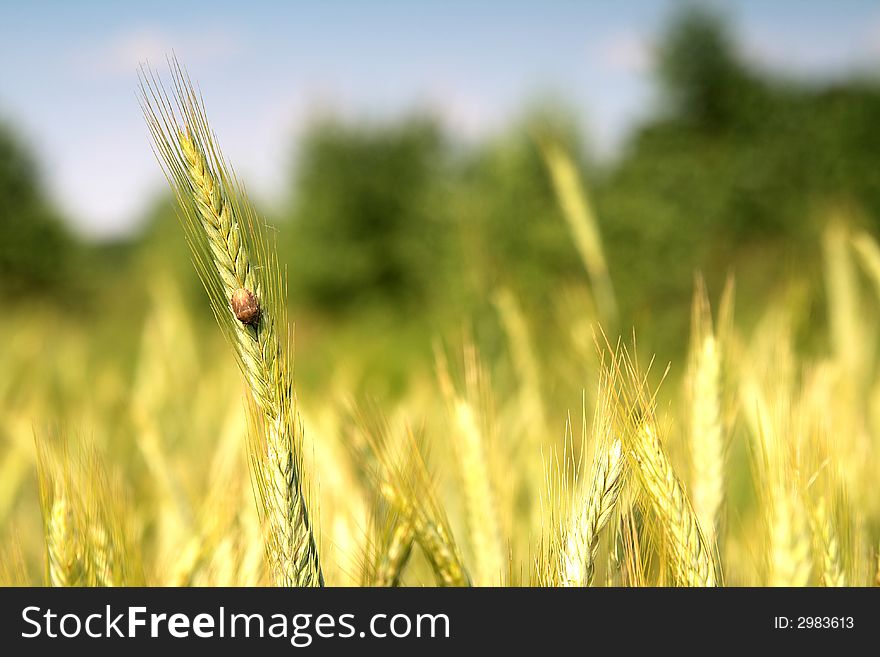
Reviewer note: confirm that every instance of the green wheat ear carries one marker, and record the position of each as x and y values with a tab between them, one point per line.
239	269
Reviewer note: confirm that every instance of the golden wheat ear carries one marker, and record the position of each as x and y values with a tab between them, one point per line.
65	544
583	223
471	431
693	557
238	266
90	540
13	567
581	504
707	440
403	480
595	498
389	547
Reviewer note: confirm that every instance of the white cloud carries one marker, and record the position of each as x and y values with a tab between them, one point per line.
121	53
466	114
814	51
870	42
623	52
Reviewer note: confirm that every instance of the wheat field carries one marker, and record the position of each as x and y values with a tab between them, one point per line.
752	463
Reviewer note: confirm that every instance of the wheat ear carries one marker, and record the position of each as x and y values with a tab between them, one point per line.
240	271
592	515
405	483
877	571
394	555
65	546
62	544
89	539
471	434
582	222
869	255
694	562
431	530
706	433
594	503
790	554
826	535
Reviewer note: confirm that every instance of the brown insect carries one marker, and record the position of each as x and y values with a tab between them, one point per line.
245	306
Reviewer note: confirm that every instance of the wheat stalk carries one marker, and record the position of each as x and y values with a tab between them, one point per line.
241	274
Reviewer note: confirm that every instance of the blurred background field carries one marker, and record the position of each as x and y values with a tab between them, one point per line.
404	235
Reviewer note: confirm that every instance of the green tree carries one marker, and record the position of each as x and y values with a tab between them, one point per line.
510	229
703	80
368	214
737	172
36	252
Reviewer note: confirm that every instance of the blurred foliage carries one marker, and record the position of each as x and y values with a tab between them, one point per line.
396	235
398	216
367	215
36	252
736	170
511	228
732	173
160	247
736	173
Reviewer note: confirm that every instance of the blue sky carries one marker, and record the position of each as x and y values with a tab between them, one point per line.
68	74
